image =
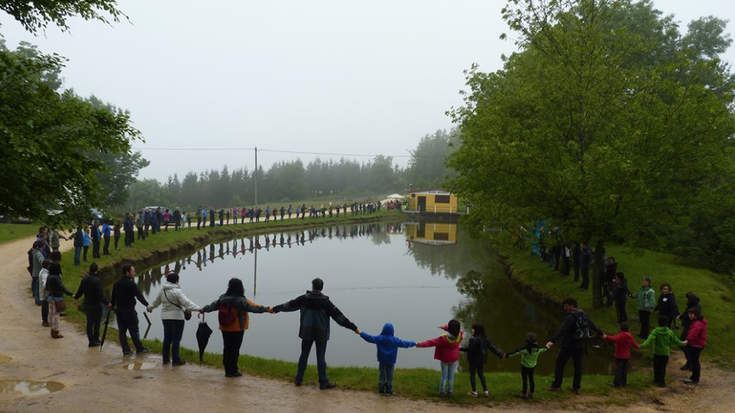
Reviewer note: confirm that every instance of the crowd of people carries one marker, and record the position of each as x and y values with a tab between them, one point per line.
316	311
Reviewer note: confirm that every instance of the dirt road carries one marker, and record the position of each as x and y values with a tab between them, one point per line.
90	380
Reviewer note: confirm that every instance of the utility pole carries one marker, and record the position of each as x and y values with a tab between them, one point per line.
256	176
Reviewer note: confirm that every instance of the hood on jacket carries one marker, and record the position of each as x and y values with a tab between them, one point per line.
170	286
387	330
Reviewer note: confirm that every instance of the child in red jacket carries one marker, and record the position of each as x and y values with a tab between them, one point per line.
623	342
447	352
696	341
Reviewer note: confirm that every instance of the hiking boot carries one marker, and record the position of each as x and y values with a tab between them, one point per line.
327	385
45	324
472	394
143	351
178	363
56	334
297	382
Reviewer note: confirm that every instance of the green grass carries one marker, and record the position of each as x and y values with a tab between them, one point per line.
714	290
12	232
411	383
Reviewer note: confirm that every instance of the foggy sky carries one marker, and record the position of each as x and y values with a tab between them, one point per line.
324	76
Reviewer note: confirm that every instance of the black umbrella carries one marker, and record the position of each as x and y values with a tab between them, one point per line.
104	332
203	333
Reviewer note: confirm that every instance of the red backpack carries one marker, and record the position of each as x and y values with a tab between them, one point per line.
227	314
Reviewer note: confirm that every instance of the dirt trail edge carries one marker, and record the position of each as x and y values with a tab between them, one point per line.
101	381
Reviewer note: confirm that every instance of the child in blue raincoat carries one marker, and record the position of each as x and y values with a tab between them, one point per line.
387	345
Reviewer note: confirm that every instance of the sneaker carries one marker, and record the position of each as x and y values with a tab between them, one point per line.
530	395
143	351
178	363
381	390
487	394
449	394
554	389
441	394
685	367
524	396
472	394
690	381
326	386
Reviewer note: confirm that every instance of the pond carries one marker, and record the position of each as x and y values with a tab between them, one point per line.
417	276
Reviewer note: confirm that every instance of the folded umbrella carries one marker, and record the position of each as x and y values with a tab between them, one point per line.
104	332
203	333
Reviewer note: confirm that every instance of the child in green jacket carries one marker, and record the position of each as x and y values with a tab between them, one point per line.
646	303
529	358
661	337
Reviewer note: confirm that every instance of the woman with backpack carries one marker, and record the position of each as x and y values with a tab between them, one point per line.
174	309
233	309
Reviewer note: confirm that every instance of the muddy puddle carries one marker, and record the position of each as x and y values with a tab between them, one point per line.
29	387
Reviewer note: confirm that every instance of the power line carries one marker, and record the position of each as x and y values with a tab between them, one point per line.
273	150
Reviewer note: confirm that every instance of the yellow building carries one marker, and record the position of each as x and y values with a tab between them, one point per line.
434	201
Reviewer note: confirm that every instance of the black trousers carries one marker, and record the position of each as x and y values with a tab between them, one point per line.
621	372
232	341
96	249
645	317
693	354
106	248
477	368
565	353
585	278
620	307
128	321
659	369
527	377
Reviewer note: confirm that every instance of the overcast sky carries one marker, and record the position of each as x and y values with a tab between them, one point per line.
322	76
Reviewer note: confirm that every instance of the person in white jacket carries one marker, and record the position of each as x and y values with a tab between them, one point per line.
174	303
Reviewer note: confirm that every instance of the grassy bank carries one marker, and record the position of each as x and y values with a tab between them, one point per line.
412	383
12	232
715	291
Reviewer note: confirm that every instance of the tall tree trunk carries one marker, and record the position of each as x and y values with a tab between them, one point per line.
598	274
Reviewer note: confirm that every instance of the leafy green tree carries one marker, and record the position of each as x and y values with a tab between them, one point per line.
52	141
35	15
601	121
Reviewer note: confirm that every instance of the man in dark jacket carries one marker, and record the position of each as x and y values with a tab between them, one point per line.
572	334
585	262
94	298
316	309
124	293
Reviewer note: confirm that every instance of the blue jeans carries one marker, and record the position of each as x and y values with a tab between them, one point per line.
77	255
321	362
34	289
448	370
385	379
173	330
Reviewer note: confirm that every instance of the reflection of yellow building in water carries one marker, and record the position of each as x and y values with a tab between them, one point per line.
431	233
432	202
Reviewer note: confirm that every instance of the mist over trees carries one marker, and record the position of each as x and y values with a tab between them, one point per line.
287	181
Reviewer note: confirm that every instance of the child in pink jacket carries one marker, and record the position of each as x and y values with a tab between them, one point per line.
447	352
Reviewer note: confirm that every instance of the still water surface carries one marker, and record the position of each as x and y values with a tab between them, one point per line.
417	276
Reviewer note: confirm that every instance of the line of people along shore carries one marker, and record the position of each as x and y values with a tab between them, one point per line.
316	311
